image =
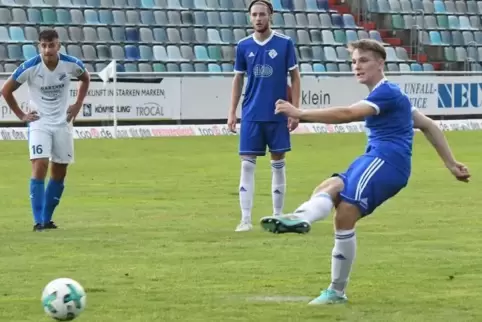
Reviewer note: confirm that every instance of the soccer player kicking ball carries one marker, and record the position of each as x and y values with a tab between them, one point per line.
374	177
50	133
267	58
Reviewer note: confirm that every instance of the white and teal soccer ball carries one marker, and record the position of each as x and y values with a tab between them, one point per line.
63	299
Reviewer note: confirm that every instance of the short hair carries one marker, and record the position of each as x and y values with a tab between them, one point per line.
369	45
267	3
48	35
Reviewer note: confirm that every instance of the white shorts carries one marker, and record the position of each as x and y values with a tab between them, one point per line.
53	142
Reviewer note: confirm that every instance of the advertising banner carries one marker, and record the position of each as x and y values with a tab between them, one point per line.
151	131
209	98
135	101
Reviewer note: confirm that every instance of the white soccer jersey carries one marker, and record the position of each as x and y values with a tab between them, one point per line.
49	90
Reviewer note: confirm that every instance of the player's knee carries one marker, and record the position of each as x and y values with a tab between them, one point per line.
276	156
248	163
332	186
39	168
346	216
58	171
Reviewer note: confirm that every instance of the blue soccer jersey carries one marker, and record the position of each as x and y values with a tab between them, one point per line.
384	169
266	65
390	131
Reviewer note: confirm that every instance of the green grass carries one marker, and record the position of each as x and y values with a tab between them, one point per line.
147	227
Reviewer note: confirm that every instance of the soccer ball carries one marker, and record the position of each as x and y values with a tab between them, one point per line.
63	299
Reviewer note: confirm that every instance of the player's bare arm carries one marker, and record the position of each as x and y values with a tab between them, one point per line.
332	115
295	95
9	87
437	139
237	89
74	109
295	87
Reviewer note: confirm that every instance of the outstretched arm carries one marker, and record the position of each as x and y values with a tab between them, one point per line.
329	115
437	139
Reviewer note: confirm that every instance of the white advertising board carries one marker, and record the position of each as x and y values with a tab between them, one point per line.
135	101
205	98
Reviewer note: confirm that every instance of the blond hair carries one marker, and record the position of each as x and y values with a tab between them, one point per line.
369	45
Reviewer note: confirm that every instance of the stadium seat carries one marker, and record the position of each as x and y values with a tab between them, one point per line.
16	34
189	35
29	51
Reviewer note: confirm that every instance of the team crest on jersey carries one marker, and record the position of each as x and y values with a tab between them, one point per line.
62	76
272	53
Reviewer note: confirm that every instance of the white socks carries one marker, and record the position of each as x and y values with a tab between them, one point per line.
317	208
278	185
343	255
246	188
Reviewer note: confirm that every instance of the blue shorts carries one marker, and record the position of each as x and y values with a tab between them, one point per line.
369	182
256	136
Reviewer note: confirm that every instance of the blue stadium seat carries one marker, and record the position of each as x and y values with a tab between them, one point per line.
16	34
148	4
132	52
106	17
201	53
91	17
319	68
29	51
130	67
435	38
63	17
212	67
132	34
416	67
227	67
34	16
337	20
439	6
311	5
288	5
15	52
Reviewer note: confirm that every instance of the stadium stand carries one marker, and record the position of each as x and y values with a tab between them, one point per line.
200	35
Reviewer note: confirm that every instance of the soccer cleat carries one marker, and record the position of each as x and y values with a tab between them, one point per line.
50	225
38	228
285	224
329	297
244	226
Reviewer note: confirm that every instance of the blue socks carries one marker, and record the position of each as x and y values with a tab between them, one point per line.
37	199
52	198
43	200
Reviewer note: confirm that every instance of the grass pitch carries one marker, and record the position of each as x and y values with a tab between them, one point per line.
147	227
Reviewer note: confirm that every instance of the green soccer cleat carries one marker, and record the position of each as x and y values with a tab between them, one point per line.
329	297
285	224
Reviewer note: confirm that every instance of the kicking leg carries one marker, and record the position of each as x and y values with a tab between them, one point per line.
278	182
343	254
368	183
318	207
